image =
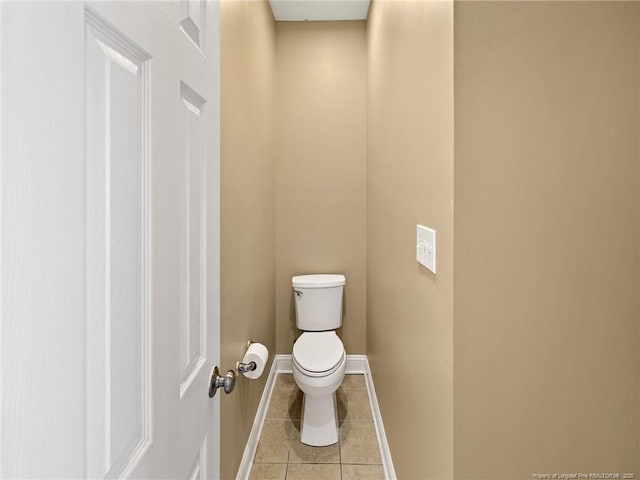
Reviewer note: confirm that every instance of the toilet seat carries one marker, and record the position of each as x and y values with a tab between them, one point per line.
318	354
326	373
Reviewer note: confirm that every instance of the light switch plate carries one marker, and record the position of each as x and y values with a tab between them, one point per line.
426	247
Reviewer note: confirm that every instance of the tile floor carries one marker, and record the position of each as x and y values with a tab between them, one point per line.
280	455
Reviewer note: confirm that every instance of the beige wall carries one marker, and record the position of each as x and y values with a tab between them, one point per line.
247	206
546	238
321	167
410	181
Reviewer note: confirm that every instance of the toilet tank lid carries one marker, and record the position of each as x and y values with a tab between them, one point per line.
322	280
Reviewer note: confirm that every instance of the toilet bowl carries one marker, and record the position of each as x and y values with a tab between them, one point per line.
319	377
319	360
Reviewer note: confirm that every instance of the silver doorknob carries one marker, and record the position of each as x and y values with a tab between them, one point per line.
227	382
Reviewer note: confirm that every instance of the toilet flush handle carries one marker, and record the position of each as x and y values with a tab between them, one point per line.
298	293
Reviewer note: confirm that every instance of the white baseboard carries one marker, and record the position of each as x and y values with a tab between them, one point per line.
244	470
356	364
282	363
387	462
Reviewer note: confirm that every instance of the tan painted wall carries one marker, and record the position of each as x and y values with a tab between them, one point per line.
410	181
247	205
321	167
546	238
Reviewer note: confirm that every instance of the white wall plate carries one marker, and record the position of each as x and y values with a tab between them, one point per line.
426	247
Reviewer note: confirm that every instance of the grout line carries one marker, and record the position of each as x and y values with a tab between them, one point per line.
340	442
340	449
286	470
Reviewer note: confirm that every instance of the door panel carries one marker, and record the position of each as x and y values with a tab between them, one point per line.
194	22
193	314
118	249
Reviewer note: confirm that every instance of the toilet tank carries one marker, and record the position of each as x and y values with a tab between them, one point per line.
318	301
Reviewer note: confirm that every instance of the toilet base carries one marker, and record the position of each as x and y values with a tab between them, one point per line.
319	424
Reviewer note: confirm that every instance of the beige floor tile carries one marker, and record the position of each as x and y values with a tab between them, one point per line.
362	472
285	403
354	382
268	471
301	453
280	430
359	444
272	452
313	471
354	405
276	435
285	381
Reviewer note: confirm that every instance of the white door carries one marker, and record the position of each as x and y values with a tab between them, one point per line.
109	239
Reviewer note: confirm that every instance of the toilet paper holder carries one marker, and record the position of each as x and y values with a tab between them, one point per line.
228	381
246	367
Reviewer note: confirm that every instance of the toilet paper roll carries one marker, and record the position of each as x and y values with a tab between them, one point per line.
258	353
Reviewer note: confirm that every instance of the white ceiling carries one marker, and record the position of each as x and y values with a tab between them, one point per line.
300	10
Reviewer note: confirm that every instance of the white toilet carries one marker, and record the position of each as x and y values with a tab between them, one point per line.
319	360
